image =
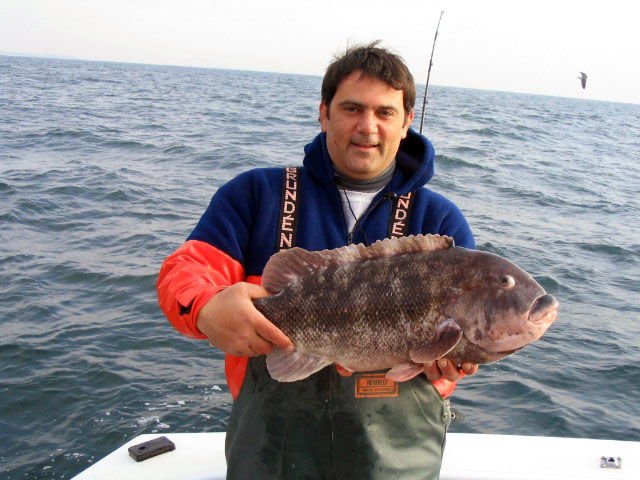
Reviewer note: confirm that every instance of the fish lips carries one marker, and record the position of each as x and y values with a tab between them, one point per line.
544	311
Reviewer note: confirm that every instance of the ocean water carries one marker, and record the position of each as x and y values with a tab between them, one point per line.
105	169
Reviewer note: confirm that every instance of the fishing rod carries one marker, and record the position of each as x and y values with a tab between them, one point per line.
424	101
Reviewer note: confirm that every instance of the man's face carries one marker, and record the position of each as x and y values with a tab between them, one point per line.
364	125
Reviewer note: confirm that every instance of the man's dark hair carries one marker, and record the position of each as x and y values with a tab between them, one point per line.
372	61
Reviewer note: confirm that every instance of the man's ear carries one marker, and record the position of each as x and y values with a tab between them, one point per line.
408	120
323	116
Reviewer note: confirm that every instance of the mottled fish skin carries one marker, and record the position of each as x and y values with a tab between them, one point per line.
371	314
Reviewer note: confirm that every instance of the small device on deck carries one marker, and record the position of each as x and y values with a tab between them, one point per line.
151	448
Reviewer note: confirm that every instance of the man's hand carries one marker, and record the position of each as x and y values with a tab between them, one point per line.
444	368
233	324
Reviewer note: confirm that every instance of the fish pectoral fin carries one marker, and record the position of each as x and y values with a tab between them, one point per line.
401	372
438	349
286	366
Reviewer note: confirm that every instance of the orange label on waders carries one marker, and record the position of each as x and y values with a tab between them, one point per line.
373	385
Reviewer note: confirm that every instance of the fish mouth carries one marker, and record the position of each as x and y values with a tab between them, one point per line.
544	310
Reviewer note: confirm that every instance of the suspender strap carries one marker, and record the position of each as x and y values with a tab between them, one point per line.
290	206
289	209
400	216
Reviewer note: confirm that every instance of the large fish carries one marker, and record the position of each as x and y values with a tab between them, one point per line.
397	304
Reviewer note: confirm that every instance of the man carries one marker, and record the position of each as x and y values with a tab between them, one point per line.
325	426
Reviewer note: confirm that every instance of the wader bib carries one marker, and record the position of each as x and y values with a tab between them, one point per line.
332	427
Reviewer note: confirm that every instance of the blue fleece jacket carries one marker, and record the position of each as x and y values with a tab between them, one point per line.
242	218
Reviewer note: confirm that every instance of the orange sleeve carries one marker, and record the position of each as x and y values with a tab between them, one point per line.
188	279
446	387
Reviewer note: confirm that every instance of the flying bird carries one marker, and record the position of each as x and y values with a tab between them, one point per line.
583	79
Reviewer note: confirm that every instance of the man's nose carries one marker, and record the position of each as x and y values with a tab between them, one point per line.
368	123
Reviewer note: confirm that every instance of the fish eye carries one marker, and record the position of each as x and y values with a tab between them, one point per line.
507	282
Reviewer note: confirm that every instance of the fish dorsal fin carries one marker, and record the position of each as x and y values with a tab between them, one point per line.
289	266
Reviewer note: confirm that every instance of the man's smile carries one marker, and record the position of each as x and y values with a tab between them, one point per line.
365	145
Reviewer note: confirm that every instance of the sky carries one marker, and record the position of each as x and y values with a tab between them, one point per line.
524	46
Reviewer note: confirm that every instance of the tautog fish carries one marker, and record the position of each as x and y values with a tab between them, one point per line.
397	304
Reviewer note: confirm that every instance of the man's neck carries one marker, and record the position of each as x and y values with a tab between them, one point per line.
364	185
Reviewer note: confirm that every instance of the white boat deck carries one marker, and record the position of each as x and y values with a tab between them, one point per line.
200	456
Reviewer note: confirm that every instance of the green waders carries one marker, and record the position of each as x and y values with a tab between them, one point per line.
333	427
